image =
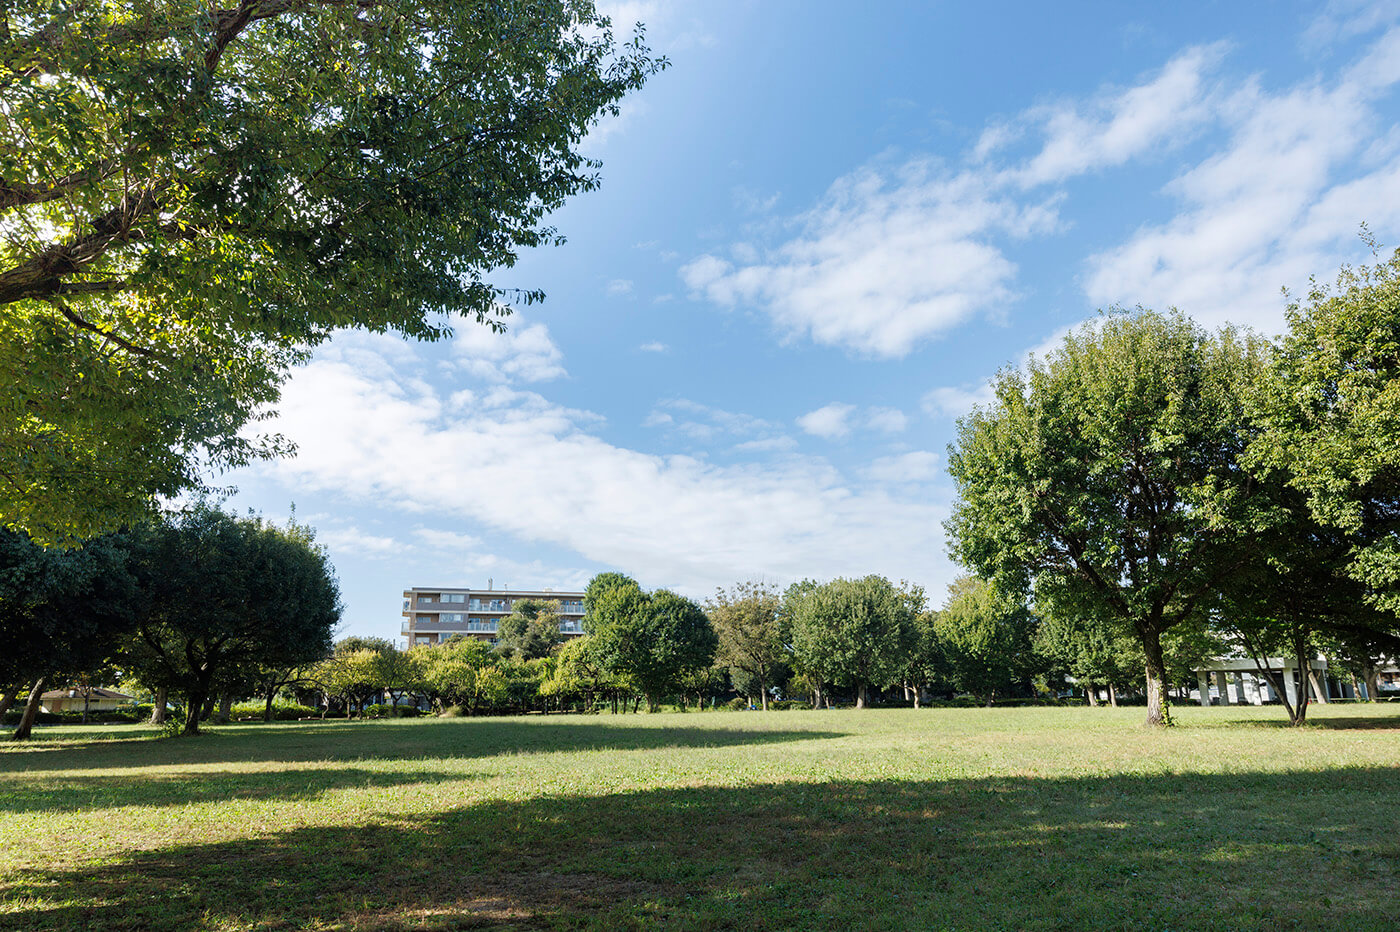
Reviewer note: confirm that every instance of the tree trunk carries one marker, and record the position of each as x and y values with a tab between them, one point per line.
158	707
1158	715
860	696
8	700
87	703
208	708
195	710
653	705
1373	684
763	691
225	708
1112	695
1299	713
918	694
267	709
1319	687
31	709
1093	693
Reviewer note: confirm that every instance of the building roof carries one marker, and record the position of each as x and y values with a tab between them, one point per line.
97	692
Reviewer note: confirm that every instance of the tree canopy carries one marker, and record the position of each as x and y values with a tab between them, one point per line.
193	196
648	640
1331	418
854	632
219	593
1107	476
748	626
986	640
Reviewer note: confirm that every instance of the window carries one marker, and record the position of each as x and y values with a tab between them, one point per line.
475	605
455	617
426	619
453	597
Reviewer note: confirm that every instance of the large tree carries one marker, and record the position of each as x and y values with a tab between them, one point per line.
855	632
986	640
1331	416
192	195
63	613
1106	476
748	626
649	640
220	593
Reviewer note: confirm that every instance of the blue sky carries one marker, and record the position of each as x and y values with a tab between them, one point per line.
820	232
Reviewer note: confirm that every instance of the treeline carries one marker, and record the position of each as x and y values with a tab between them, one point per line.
861	641
198	606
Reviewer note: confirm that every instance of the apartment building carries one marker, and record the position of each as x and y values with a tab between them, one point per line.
432	615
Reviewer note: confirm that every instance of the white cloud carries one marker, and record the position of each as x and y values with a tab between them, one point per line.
954	402
353	540
704	423
885	261
1117	126
830	421
525	353
447	540
893	256
889	420
1342	19
673	520
655	346
619	286
916	466
1281	201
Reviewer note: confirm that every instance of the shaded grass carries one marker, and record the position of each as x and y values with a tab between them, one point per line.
966	819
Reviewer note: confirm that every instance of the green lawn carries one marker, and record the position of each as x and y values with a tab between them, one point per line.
956	819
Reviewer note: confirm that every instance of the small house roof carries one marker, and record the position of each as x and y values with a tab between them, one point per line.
97	692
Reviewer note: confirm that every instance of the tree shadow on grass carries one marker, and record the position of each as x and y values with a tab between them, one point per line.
415	739
77	794
1350	723
1246	851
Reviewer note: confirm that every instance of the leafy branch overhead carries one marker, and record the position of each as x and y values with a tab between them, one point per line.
191	199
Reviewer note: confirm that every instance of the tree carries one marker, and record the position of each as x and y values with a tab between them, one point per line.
398	672
649	640
530	631
1094	652
220	593
578	671
1331	418
1107	476
350	676
1295	591
463	673
748	629
986	640
926	667
855	632
62	614
195	196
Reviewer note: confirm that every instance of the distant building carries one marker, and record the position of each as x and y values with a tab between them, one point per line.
431	616
97	699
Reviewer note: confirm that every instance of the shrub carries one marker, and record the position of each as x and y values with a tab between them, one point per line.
282	711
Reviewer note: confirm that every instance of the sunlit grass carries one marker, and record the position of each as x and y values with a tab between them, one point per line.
978	818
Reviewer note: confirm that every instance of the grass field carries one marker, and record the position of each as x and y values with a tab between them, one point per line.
956	819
